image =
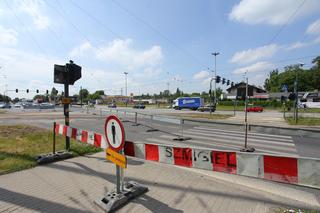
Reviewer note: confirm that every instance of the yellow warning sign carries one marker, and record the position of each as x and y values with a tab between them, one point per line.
116	158
66	100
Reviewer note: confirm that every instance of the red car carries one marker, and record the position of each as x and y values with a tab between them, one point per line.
255	109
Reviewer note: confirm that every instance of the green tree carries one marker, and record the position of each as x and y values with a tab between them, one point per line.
84	93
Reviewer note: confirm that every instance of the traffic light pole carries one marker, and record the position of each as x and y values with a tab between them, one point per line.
66	114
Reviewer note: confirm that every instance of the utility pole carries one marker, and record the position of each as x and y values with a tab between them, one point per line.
296	108
215	75
81	96
126	74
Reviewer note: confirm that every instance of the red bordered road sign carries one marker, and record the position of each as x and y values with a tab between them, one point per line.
114	132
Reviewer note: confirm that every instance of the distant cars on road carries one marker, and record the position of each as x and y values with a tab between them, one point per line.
207	108
254	109
4	105
113	105
139	106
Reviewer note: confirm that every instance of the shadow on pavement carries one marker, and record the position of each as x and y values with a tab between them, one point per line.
29	202
110	177
154	205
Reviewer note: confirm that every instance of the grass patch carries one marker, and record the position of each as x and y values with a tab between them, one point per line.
20	144
308	121
205	115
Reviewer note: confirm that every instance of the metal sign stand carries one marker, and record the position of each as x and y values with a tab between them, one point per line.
124	191
246	148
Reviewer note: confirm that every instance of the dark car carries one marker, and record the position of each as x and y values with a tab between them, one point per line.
5	105
113	105
139	106
255	109
207	108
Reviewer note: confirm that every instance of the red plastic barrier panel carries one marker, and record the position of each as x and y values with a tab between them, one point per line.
152	152
57	128
182	156
97	140
84	137
65	130
129	148
74	133
282	169
224	162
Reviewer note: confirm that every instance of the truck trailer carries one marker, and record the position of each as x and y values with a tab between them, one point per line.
192	103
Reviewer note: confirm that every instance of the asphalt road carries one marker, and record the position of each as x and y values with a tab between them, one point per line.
202	135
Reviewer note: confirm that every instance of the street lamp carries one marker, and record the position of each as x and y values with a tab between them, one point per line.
300	64
215	74
126	74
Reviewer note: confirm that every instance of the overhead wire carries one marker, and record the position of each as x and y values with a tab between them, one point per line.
287	22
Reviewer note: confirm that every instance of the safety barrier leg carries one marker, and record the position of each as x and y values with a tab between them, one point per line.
181	137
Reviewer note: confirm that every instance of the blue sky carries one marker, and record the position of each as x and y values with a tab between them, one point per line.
156	42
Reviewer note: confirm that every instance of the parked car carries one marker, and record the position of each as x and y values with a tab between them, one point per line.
207	108
139	106
255	109
4	105
113	105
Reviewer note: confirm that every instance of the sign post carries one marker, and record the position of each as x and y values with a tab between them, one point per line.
123	192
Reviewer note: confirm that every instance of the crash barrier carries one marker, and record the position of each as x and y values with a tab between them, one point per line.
149	120
298	171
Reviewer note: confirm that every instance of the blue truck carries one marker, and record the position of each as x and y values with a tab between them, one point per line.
188	103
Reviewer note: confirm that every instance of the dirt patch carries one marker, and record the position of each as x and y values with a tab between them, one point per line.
18	131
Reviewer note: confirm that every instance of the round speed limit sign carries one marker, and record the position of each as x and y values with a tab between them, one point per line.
114	132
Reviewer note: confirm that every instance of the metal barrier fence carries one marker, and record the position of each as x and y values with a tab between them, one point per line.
150	121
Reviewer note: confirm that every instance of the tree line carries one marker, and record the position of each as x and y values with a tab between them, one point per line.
308	79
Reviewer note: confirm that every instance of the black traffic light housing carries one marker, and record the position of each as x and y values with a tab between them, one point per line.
27	90
232	84
228	82
67	74
37	91
223	80
17	90
218	79
47	91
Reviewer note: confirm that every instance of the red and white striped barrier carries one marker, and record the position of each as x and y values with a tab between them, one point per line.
299	171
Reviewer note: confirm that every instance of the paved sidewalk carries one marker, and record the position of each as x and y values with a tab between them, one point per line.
72	186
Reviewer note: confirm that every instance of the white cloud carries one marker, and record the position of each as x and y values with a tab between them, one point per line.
8	36
273	12
201	75
120	51
256	67
35	9
251	55
81	50
298	45
314	28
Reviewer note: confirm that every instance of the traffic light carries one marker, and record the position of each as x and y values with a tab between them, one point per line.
67	74
223	80
47	91
292	96
27	90
228	82
209	91
37	91
74	71
218	79
232	84
17	90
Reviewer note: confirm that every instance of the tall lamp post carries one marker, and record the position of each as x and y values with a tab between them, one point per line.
296	108
126	74
215	74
